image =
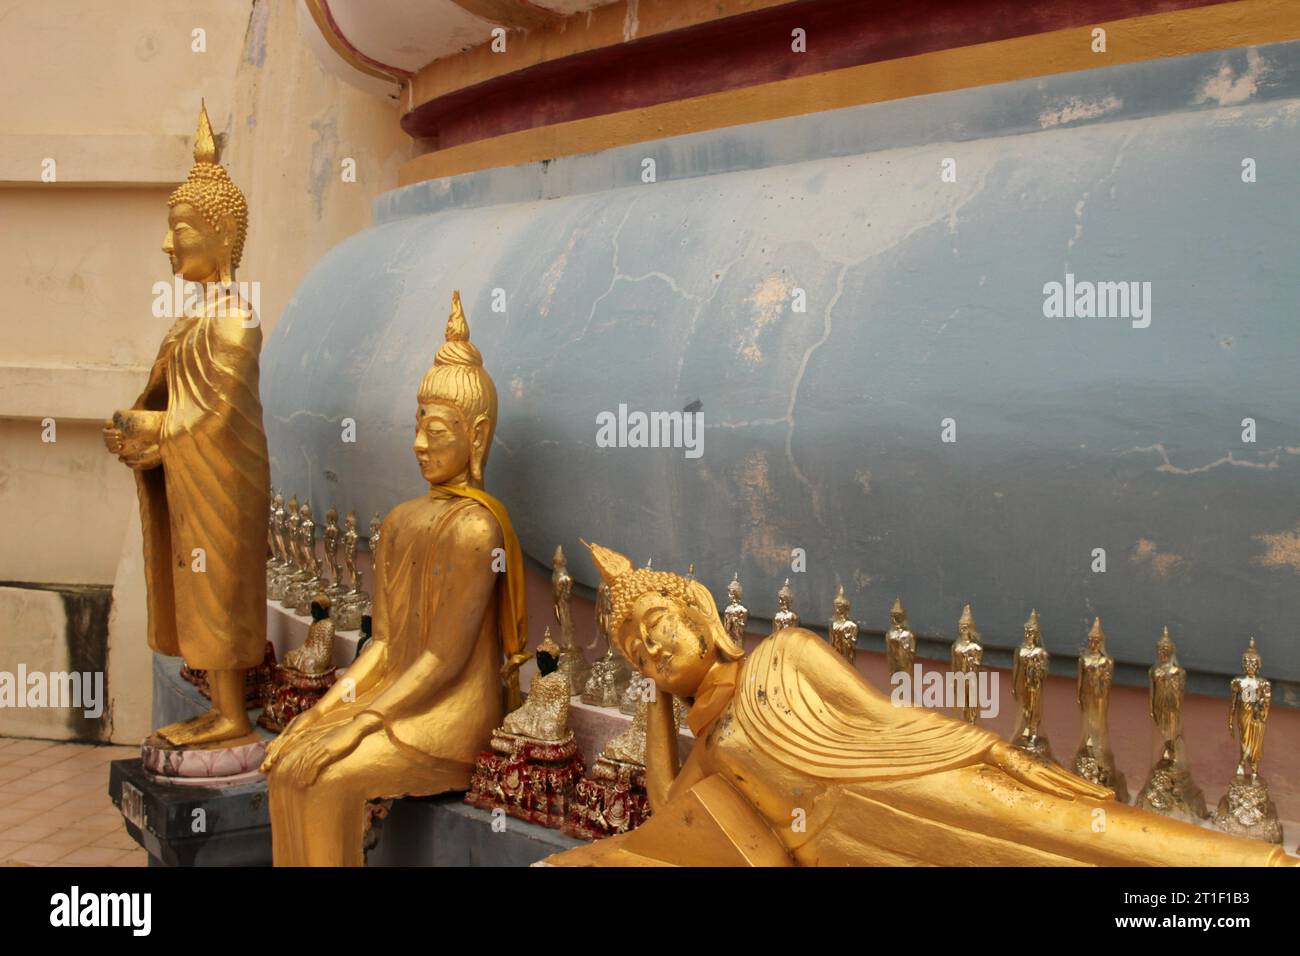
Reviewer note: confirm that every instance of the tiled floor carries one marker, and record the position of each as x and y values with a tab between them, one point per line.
55	809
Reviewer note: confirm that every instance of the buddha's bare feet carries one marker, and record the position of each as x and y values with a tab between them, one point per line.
182	732
204	731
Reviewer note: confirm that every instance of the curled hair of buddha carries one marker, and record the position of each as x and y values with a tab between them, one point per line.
627	584
209	189
458	378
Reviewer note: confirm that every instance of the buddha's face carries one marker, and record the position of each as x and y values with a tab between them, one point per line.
192	245
1250	664
1163	653
670	643
443	443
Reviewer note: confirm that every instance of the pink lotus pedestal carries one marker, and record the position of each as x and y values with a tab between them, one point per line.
212	767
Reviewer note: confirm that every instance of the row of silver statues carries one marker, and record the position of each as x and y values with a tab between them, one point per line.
295	573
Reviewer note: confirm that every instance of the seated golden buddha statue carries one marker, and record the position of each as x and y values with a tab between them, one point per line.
410	714
306	674
544	716
533	763
799	761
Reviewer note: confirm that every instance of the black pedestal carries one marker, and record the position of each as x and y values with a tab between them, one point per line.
230	826
192	826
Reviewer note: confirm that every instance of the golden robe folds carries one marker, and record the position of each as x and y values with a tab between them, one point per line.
212	493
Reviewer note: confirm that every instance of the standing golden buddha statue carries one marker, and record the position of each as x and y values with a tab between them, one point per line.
1028	673
843	633
410	714
900	642
967	658
1170	789
572	664
195	441
1246	808
735	615
609	676
785	615
1094	760
799	761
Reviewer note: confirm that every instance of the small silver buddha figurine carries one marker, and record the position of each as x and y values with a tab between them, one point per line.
1170	789
314	581
350	538
572	664
355	601
735	617
1094	761
629	746
280	566
609	676
967	657
289	534
900	642
785	615
633	695
1028	673
335	590
302	567
273	560
843	633
544	714
1246	809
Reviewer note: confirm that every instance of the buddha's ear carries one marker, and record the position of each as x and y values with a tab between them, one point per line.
479	435
225	236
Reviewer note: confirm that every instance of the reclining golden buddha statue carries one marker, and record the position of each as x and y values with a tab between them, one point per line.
799	761
410	714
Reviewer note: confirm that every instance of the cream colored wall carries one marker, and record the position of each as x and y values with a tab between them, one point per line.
110	91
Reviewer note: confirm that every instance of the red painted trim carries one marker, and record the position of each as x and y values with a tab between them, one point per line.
744	51
396	71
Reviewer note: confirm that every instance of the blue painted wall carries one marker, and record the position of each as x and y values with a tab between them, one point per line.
924	302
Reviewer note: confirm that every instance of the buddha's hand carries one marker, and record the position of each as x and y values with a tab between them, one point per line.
134	435
114	440
309	761
1038	774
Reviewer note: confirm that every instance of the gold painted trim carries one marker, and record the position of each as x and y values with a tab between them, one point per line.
1157	36
344	50
611	25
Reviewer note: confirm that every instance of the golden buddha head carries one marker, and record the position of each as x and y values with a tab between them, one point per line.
208	216
1096	638
666	625
1250	661
898	614
458	409
1165	647
1033	633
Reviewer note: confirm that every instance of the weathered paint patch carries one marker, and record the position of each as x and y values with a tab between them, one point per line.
1148	557
1281	549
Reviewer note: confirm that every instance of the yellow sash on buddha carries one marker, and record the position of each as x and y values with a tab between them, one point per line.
512	615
